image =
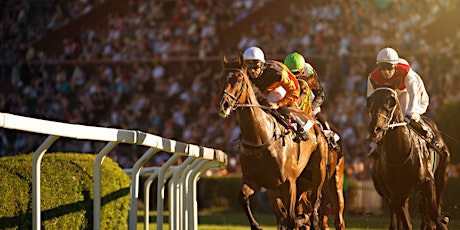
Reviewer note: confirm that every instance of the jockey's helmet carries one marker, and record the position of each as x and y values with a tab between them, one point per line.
254	60
387	55
294	62
254	54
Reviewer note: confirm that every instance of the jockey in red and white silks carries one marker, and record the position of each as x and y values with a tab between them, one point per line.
412	94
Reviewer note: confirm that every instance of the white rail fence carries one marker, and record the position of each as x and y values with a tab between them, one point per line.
182	178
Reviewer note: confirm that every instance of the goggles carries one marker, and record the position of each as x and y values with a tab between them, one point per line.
386	66
297	72
254	64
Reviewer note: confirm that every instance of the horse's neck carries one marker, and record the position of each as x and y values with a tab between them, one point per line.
256	125
398	142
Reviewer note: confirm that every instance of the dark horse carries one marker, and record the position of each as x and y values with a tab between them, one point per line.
269	156
333	186
404	164
333	191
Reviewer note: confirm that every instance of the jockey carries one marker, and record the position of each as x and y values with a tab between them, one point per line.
275	80
310	85
396	73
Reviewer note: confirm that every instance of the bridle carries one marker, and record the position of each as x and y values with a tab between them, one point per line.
234	104
390	123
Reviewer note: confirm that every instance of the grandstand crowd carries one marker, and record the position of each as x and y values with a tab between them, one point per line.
121	75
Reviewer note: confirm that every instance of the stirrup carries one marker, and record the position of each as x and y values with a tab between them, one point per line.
301	134
334	145
435	143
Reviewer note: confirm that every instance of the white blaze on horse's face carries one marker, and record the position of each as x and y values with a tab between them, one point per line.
230	75
225	108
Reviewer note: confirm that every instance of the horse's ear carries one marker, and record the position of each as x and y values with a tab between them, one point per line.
224	61
241	59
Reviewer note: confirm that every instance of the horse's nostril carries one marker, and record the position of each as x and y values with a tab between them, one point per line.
225	105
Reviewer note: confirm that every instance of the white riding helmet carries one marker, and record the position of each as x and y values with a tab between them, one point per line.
254	53
387	55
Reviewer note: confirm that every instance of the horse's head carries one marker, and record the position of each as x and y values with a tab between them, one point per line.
233	86
384	108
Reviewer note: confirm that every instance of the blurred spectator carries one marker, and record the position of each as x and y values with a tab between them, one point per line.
157	92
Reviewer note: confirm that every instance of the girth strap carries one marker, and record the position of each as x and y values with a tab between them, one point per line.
255	147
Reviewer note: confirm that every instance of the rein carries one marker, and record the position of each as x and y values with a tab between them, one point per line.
259	106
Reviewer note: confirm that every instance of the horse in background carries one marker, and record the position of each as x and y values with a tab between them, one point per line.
404	164
333	188
333	191
269	156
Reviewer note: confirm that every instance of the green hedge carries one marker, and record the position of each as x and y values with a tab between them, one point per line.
66	192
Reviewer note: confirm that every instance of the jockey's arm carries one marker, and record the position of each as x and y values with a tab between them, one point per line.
292	91
415	89
317	90
318	98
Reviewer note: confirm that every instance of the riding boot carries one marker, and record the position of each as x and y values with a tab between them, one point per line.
426	133
300	132
300	128
331	137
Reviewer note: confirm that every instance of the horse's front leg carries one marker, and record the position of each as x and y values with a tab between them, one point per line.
429	195
243	198
401	209
441	176
393	220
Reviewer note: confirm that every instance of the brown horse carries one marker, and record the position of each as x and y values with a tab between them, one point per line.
333	191
269	156
333	188
404	164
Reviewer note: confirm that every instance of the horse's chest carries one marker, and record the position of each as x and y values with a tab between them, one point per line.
264	168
